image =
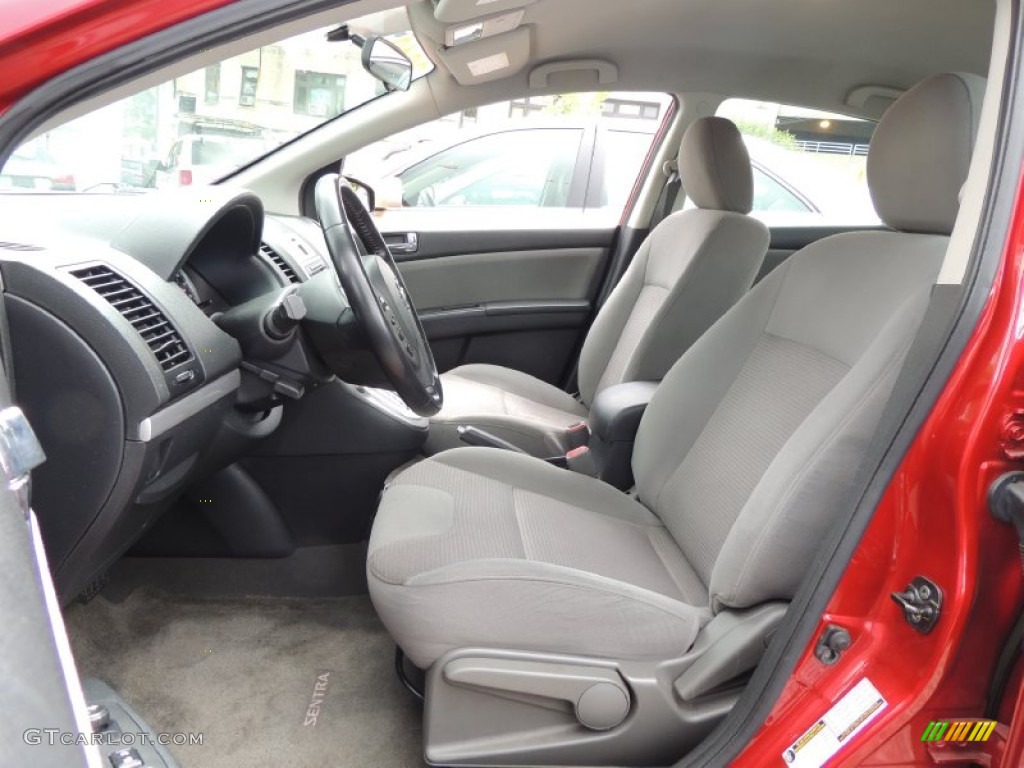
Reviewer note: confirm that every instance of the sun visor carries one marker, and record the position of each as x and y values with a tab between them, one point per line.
454	11
489	59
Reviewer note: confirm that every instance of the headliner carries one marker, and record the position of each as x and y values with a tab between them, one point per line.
807	52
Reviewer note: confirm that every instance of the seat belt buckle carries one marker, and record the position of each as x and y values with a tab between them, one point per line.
577	435
581	460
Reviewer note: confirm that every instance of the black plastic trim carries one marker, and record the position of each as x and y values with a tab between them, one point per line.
434	245
616	411
500	308
503	316
795	238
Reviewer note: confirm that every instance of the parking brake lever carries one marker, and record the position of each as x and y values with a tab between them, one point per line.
475	436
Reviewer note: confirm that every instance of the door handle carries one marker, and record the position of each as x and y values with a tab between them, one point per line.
408	242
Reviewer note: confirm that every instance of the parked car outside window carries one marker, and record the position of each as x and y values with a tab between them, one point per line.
535	157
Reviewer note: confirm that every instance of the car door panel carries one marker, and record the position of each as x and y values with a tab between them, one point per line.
476	278
36	662
504	287
454	233
524	309
513	284
508	333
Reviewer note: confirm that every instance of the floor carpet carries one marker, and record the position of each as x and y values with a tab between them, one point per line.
244	672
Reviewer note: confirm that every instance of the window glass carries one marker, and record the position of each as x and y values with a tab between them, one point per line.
574	150
213	84
531	167
624	153
214	150
772	195
200	126
809	166
319	94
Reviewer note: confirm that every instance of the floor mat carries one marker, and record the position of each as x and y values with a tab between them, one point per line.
267	681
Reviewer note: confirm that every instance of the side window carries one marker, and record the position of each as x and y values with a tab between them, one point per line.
575	150
771	195
173	155
526	167
623	153
809	166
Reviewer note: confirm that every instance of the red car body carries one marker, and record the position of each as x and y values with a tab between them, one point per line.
933	518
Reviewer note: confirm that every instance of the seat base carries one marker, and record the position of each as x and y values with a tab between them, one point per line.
518	708
477	546
470	725
512	405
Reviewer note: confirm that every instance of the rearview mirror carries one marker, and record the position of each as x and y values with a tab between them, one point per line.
386	61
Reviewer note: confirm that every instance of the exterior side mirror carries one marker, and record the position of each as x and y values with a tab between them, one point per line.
386	61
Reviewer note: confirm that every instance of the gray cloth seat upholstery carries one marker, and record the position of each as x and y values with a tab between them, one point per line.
508	403
556	550
687	273
744	457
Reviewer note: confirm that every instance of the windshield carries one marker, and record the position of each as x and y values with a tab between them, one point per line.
198	127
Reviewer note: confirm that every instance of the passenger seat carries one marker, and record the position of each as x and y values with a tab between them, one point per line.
692	268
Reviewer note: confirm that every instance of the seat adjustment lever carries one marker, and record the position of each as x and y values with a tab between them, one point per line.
598	696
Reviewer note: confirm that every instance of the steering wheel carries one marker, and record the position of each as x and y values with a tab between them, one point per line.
377	295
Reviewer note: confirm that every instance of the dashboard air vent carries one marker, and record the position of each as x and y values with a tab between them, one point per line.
139	310
279	262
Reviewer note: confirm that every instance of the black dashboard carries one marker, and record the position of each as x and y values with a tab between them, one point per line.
120	364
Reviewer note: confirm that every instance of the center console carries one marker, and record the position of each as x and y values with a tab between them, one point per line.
603	445
390	404
613	423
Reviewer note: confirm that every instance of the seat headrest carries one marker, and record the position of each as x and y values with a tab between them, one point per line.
921	151
714	166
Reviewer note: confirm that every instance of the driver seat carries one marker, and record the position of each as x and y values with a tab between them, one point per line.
690	270
564	622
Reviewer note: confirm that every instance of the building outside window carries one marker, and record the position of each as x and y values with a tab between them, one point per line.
319	94
642	110
212	91
527	106
247	91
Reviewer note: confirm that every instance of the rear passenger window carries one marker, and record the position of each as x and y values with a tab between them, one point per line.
580	151
809	166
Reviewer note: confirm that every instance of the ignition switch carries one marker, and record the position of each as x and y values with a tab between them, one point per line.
285	316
